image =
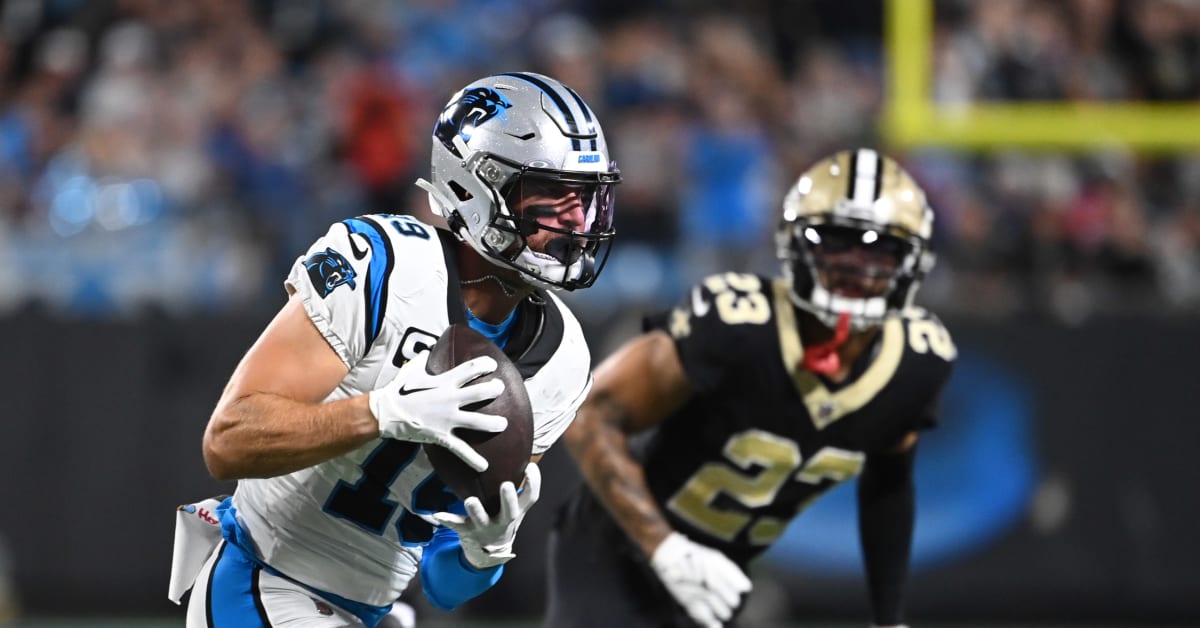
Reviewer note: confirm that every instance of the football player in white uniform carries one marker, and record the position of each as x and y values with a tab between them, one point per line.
322	422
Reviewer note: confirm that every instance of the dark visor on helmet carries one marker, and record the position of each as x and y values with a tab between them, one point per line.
536	197
875	245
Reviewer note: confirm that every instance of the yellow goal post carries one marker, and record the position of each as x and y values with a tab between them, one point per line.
910	118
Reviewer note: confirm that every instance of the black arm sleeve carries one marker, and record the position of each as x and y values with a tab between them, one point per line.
886	511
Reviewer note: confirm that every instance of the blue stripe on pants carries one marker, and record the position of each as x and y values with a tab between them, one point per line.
233	598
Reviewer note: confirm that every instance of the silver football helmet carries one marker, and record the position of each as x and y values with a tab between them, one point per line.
855	219
509	137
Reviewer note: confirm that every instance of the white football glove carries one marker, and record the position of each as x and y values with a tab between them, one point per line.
487	542
704	581
423	408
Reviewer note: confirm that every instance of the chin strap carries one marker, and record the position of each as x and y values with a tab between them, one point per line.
823	358
437	201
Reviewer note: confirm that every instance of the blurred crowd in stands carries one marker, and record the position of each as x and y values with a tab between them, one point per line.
177	156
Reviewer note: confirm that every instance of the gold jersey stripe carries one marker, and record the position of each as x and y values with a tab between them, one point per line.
824	406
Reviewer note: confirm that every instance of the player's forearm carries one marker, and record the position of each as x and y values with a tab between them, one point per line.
601	450
265	435
886	503
447	577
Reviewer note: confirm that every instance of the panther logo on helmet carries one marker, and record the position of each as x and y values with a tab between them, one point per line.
328	269
462	115
503	148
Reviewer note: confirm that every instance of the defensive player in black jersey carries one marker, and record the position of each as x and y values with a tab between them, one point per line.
703	437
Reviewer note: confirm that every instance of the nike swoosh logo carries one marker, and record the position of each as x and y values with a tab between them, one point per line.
408	391
358	254
699	306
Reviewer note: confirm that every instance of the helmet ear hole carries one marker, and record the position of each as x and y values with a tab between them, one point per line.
459	191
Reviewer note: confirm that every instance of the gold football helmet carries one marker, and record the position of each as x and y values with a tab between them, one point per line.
855	238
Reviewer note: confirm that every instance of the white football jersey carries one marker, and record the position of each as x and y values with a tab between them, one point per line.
382	288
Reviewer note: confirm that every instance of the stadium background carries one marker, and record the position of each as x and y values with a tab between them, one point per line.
162	163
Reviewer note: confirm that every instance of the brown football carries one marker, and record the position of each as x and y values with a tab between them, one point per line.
507	452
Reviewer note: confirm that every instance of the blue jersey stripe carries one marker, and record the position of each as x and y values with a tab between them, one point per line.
556	99
378	271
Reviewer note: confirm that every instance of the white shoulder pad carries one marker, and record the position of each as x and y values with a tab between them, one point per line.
348	277
559	388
